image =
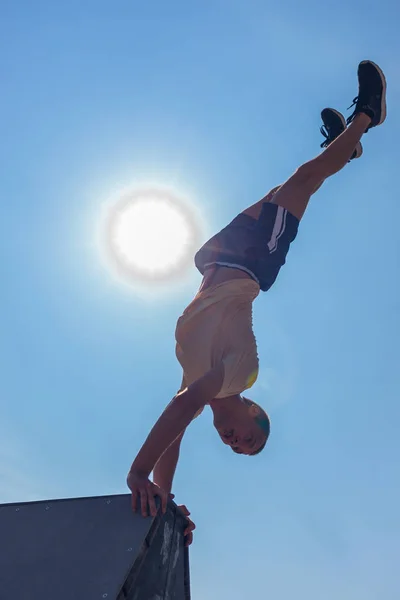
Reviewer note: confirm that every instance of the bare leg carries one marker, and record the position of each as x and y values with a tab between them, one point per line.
255	209
296	192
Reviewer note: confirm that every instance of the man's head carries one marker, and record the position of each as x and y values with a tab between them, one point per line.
241	424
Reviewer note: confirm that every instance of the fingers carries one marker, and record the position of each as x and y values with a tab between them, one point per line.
190	527
134	500
147	494
143	501
152	503
189	533
164	499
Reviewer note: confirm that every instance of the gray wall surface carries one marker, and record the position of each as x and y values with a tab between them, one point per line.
91	549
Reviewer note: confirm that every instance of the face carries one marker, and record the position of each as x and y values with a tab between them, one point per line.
244	436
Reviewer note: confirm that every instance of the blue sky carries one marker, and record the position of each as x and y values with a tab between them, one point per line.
221	101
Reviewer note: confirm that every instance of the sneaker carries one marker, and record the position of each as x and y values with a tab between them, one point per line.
334	125
371	98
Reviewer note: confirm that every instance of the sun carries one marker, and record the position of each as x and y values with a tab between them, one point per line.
150	234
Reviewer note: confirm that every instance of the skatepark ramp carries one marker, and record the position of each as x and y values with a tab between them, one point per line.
91	549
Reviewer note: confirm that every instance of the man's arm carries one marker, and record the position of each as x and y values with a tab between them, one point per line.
176	417
164	471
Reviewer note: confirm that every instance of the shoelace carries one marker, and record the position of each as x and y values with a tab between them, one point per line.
326	135
350	119
354	102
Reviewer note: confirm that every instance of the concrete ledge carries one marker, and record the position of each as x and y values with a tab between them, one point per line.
92	548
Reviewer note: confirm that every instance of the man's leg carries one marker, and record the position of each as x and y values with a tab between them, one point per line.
370	111
334	125
231	246
296	192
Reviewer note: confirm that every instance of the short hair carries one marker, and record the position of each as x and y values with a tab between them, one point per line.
262	421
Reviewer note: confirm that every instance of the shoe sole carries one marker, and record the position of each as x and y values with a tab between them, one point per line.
338	114
383	101
358	148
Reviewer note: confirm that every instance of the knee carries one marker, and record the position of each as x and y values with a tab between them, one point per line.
311	174
307	171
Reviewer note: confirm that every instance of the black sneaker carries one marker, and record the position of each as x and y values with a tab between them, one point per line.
334	125
371	98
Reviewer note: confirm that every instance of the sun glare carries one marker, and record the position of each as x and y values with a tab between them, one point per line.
150	236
